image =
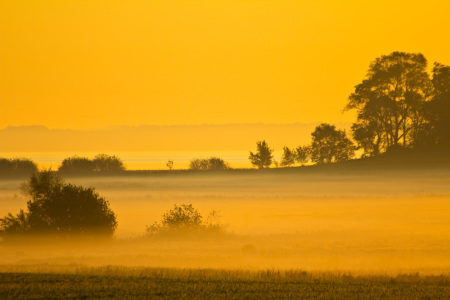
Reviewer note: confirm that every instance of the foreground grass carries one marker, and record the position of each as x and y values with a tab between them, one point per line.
146	283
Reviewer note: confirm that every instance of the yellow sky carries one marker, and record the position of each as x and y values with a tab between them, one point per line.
90	64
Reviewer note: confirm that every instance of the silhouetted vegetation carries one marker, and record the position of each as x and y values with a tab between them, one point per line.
288	158
58	208
330	145
399	105
169	164
209	164
17	167
185	219
263	156
302	154
101	164
439	107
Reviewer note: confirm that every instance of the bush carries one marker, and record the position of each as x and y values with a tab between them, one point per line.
58	208
17	167
210	164
101	164
185	219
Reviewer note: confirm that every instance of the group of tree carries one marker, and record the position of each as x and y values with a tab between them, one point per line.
209	164
328	145
399	104
17	167
101	164
59	209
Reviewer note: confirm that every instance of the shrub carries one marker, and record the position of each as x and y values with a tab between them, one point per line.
101	164
185	219
58	208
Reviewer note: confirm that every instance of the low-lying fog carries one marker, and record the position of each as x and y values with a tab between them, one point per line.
384	222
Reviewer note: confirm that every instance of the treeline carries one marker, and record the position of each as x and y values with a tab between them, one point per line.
328	145
399	105
17	167
101	164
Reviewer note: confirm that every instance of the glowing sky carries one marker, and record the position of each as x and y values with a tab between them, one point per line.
90	64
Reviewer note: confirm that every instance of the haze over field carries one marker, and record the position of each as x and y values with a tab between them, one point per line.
375	222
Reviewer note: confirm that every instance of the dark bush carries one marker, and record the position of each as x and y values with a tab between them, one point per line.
16	167
58	208
101	164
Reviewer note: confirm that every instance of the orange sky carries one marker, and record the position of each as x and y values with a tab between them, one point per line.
91	64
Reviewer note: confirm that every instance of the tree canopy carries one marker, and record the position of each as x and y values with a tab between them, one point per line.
330	145
397	104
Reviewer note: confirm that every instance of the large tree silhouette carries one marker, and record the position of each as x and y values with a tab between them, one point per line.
390	102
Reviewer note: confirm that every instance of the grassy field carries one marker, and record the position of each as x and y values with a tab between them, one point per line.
145	283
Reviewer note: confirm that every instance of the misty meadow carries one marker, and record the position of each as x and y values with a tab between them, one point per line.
224	149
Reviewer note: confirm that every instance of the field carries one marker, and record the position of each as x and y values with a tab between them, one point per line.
141	283
341	234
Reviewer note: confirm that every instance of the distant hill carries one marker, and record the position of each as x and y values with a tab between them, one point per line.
156	138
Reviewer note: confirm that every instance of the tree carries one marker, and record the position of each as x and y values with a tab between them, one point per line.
77	165
439	106
108	164
210	164
169	164
288	158
330	145
58	208
185	219
389	102
302	154
263	156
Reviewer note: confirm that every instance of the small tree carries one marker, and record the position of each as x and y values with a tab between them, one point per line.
169	164
288	158
58	208
330	145
302	154
263	156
